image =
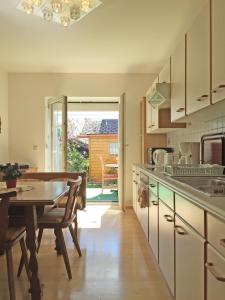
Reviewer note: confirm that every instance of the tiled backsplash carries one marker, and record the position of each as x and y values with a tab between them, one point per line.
194	132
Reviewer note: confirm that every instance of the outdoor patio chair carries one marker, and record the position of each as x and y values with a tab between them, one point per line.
107	177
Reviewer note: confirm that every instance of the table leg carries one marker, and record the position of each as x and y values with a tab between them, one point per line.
31	226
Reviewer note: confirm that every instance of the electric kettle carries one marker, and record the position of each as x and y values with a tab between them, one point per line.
158	157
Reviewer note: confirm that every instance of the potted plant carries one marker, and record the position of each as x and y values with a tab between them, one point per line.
10	174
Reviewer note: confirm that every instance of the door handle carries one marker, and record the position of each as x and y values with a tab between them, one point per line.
152	185
222	242
180	109
180	230
211	268
168	218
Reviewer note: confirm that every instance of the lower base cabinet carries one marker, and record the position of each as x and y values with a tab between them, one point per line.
215	275
166	244
189	257
153	223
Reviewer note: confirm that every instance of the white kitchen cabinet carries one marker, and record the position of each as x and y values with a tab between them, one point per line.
166	244
150	113
189	262
153	223
215	266
198	62
218	50
178	69
160	121
164	75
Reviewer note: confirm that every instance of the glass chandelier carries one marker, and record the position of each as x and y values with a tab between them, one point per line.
64	12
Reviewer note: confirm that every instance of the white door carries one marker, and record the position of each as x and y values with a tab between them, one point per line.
121	173
58	133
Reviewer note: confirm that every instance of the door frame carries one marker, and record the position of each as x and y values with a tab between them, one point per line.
49	101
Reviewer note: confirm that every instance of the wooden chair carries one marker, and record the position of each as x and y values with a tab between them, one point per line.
9	236
106	176
59	218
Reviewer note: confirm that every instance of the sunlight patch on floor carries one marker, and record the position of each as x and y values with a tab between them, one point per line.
92	216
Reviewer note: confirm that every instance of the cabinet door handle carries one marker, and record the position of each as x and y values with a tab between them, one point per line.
202	98
210	267
137	174
220	87
180	109
168	218
180	230
135	181
222	242
152	185
155	203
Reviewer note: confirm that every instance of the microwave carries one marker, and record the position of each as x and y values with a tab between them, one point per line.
151	150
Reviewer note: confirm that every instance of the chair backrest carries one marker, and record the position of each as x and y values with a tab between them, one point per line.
72	198
4	218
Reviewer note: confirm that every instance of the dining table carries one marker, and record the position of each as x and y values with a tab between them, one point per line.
32	196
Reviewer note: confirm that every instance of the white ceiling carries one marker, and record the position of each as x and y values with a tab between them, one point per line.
121	36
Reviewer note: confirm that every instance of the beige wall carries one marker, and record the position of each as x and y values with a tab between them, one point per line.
27	115
4	117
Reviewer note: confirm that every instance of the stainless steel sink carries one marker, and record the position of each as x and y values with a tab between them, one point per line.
213	187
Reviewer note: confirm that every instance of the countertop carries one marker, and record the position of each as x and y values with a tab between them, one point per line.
215	205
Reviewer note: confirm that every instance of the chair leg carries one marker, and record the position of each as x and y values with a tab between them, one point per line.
10	274
24	257
39	238
64	252
20	269
73	233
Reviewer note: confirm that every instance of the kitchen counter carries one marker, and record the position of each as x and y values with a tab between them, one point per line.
215	205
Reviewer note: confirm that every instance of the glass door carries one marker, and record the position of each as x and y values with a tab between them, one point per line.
58	136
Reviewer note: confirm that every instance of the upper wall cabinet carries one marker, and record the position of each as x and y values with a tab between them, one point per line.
149	119
178	83
218	50
198	62
164	75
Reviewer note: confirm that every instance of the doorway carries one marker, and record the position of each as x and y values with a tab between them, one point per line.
94	143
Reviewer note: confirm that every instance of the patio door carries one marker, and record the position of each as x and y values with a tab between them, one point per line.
57	108
121	170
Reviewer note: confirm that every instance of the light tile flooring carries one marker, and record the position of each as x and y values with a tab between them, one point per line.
117	263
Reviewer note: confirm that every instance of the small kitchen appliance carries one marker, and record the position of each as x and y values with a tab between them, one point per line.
153	149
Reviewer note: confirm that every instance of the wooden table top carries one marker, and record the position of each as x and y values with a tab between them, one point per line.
42	193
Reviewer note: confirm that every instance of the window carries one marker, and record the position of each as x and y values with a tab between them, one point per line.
114	149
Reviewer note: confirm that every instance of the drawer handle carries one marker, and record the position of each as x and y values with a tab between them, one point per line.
137	174
169	218
222	242
210	267
180	230
180	109
155	203
152	185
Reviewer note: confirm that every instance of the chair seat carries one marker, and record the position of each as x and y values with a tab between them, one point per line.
54	216
13	234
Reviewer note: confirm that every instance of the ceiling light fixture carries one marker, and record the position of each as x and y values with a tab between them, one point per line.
64	12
